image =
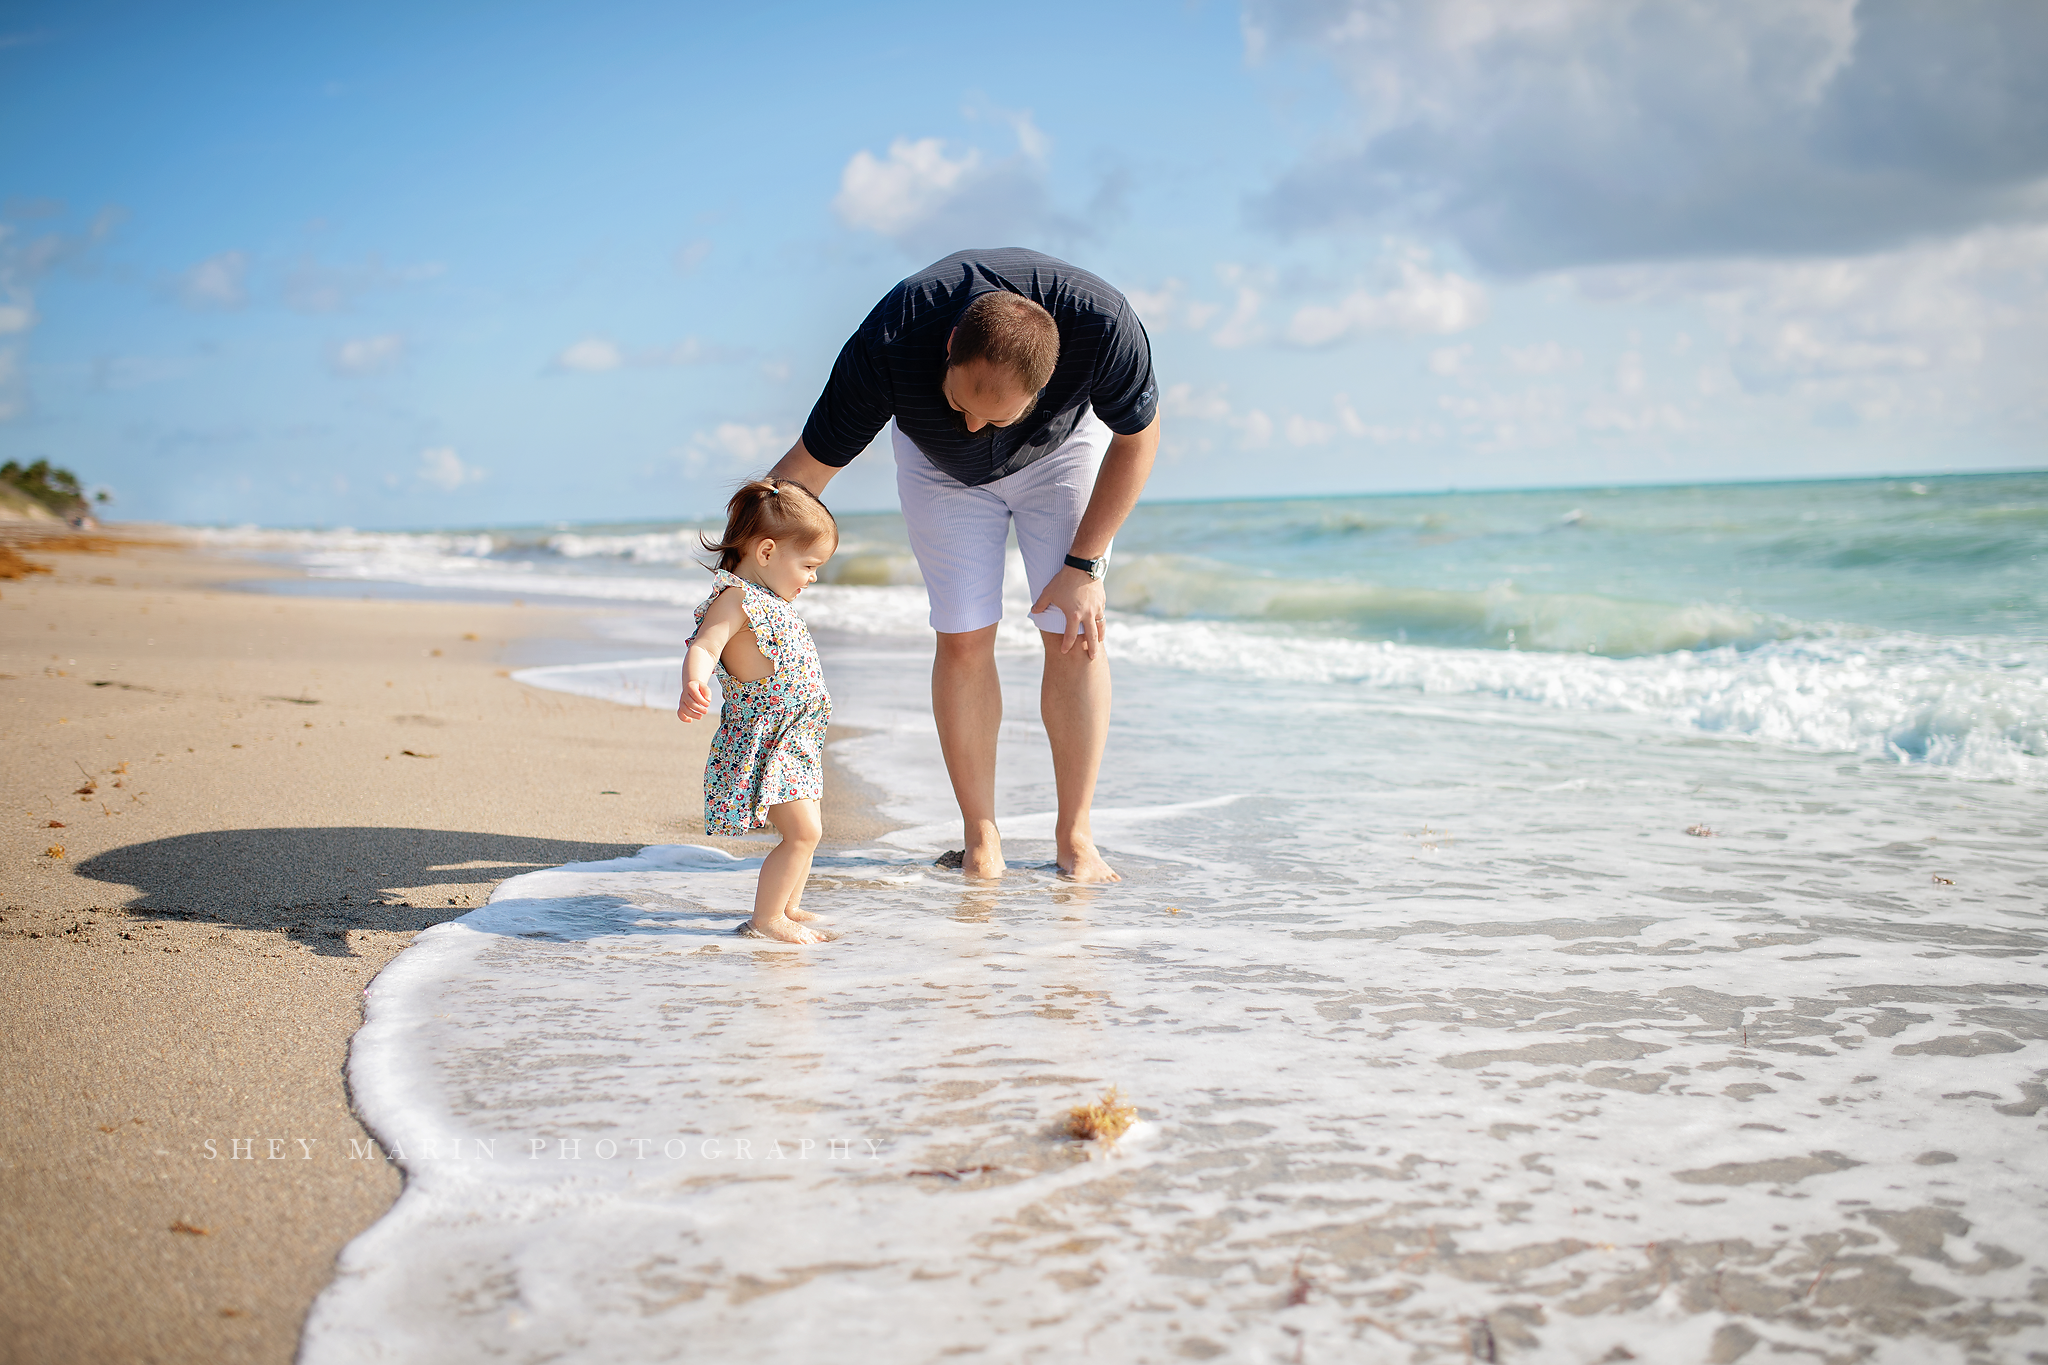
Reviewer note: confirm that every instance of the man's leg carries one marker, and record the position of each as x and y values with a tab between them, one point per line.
1047	500
967	703
958	535
1074	702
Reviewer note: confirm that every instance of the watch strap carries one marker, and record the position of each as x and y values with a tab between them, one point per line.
1094	568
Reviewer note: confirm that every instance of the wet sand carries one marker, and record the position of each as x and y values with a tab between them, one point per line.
225	812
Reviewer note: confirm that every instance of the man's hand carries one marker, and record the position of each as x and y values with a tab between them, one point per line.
696	702
1082	601
1117	484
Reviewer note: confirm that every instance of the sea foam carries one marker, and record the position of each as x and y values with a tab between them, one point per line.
1978	708
1542	1062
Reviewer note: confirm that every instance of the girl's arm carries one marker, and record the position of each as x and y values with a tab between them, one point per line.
725	619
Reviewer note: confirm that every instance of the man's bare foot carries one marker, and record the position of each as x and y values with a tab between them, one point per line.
1081	863
955	860
985	862
781	929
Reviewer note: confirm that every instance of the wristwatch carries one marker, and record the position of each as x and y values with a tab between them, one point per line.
1094	568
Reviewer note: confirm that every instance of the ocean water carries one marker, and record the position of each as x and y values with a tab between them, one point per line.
1554	926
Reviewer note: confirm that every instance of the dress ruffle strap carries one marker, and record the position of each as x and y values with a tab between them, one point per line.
760	606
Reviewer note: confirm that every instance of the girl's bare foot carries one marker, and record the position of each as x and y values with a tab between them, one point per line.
781	929
804	916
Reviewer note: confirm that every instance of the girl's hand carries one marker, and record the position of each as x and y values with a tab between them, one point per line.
696	702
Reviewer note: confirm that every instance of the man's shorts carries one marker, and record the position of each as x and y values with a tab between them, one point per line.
959	534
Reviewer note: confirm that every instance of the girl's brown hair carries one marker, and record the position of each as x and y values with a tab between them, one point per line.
781	510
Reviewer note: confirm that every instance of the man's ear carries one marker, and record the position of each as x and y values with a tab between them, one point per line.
949	344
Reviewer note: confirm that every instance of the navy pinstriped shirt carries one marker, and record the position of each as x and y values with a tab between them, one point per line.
893	365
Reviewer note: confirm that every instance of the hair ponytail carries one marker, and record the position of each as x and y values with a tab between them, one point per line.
781	510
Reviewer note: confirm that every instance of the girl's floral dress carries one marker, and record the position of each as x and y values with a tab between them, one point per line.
770	745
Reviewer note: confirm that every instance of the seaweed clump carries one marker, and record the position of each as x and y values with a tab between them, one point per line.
1108	1118
13	565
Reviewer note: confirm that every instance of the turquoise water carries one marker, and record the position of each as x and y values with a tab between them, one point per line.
1962	554
1939	555
1905	619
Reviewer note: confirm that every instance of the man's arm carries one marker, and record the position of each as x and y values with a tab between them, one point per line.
1125	467
814	474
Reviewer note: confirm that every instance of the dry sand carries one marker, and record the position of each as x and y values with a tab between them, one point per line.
225	811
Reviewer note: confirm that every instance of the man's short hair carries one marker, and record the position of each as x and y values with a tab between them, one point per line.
1010	332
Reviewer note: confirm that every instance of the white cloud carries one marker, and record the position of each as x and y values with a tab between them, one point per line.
216	283
1633	421
16	317
916	180
1242	327
1450	360
1496	420
1186	403
1628	374
367	355
444	469
1546	358
1378	432
688	351
1423	302
1206	404
1255	428
1031	140
595	355
1561	133
927	197
1155	306
1167	307
1306	431
1347	416
735	444
1924	309
592	355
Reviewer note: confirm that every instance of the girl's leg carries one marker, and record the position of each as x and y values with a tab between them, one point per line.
784	871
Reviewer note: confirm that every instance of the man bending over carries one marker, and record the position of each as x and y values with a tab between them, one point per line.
1021	388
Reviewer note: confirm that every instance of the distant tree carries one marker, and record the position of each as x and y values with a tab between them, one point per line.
56	489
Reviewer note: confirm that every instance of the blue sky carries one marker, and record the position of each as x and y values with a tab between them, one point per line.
455	265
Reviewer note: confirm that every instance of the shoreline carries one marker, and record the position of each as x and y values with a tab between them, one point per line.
284	789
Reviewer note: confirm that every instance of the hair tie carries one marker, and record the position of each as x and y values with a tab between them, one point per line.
775	488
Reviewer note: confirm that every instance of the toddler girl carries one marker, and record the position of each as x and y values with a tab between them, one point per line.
767	759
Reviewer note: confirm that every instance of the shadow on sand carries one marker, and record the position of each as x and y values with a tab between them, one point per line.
317	884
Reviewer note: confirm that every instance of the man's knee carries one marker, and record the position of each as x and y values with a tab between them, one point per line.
967	645
1076	659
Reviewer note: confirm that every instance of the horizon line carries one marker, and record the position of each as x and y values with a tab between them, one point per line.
475	529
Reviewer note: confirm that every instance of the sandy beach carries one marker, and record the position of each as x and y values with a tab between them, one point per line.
228	810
